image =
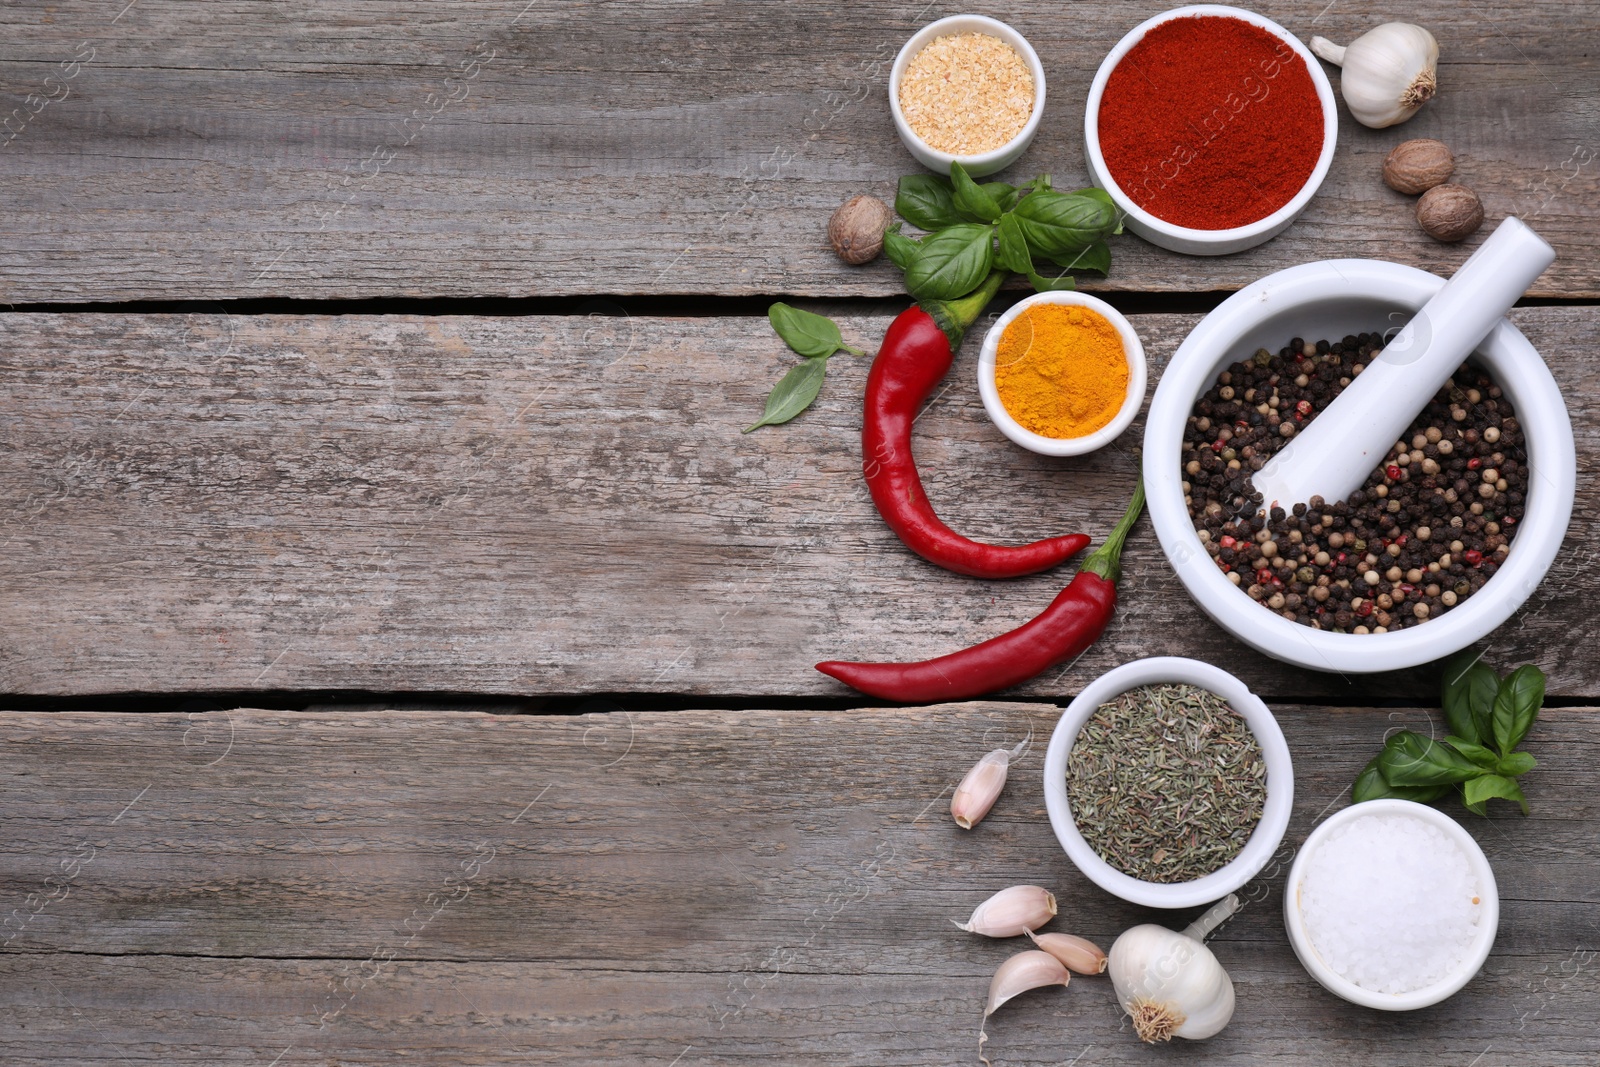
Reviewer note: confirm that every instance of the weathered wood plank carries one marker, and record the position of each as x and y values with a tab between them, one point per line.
699	887
496	148
561	505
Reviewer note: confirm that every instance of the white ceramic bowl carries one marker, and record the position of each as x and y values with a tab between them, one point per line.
1280	782
985	162
1327	300
1138	378
1331	980
1182	238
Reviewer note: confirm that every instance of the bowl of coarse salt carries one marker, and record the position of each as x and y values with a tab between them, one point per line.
1391	905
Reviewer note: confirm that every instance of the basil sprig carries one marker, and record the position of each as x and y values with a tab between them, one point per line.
1488	717
814	336
1029	229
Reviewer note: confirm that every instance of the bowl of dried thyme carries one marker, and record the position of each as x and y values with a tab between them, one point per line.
1168	782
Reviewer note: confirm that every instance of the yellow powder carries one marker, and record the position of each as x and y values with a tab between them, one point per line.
1061	370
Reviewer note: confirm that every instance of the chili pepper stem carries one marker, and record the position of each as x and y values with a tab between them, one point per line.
1107	559
954	316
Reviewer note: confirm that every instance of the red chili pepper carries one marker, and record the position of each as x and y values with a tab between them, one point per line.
1074	620
915	356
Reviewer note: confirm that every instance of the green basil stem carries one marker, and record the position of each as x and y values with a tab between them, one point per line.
1107	559
954	316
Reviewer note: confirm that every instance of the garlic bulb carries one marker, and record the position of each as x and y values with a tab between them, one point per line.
1169	982
1389	72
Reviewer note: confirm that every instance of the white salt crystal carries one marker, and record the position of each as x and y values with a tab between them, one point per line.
1390	903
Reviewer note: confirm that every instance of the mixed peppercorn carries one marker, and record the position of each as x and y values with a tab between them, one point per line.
1426	530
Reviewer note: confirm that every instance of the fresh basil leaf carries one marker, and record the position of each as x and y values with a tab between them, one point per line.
1517	763
1061	283
951	263
1483	757
1410	759
1041	182
1480	791
925	201
1516	706
1013	253
1370	785
899	248
1005	194
1467	689
970	199
1480	808
794	392
1059	224
809	334
1096	257
1101	194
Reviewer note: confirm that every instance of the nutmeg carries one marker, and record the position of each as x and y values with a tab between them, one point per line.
1419	165
1449	212
856	229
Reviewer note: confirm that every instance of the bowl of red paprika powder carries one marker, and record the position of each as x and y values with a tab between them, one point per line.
1211	128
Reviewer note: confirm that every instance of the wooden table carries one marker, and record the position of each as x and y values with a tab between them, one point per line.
408	658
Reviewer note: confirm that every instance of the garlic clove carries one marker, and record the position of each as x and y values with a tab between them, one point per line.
1033	969
1389	72
1012	912
1080	956
980	788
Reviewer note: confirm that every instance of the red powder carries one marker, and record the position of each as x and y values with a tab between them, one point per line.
1210	122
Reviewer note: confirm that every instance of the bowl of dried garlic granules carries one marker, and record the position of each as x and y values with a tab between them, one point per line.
967	88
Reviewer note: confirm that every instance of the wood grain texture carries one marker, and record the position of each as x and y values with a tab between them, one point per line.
501	148
564	505
691	888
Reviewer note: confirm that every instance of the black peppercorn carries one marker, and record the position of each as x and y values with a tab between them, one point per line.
1459	424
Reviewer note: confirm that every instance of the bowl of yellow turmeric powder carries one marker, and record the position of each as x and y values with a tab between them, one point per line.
1062	374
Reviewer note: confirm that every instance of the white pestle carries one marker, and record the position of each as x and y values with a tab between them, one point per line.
1338	451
